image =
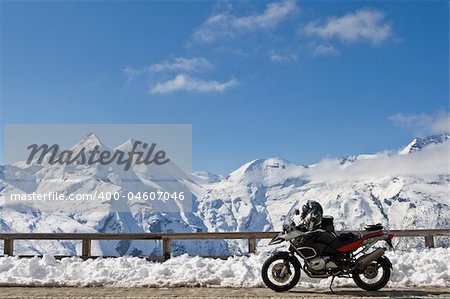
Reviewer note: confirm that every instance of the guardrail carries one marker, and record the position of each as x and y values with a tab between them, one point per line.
251	237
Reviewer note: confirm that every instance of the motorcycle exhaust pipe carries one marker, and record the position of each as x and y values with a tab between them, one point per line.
365	260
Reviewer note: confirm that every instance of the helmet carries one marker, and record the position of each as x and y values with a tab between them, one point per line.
312	214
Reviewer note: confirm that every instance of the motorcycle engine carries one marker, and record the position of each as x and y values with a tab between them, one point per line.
321	263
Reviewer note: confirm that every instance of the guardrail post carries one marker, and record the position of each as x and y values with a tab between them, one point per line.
167	248
429	241
8	247
252	245
86	248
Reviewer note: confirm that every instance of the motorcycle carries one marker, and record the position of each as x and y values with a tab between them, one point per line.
326	253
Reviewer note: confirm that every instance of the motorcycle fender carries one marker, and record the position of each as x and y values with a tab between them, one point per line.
387	261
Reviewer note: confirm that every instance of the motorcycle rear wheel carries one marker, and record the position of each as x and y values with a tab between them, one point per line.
271	272
372	270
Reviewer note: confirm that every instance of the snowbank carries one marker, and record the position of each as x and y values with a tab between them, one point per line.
427	267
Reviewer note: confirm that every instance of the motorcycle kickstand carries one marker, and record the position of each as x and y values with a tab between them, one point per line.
331	283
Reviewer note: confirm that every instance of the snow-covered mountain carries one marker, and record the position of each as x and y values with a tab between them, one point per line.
408	189
207	177
419	143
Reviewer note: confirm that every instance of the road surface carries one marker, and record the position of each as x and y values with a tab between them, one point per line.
112	292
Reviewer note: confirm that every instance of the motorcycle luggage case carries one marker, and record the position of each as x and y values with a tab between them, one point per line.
373	227
328	223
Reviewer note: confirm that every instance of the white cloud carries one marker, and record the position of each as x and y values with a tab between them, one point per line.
432	160
195	65
176	64
422	124
183	82
132	73
442	124
282	58
325	50
184	68
225	25
366	25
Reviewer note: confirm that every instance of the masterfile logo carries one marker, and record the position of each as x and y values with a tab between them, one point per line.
98	167
104	157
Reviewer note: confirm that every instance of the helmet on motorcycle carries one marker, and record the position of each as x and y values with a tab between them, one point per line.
312	214
305	210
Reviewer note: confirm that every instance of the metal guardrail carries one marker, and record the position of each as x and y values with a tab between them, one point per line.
251	237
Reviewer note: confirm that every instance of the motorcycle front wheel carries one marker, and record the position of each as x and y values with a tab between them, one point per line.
281	272
375	276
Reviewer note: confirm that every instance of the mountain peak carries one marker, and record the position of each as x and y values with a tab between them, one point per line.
207	177
126	146
262	164
91	136
270	171
421	142
89	142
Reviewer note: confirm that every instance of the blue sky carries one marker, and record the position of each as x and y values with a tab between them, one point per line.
298	80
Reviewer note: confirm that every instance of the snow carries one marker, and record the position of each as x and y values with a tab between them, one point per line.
427	267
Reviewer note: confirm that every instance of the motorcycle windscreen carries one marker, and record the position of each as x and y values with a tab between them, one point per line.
290	214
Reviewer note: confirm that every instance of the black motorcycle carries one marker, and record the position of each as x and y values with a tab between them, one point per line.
326	253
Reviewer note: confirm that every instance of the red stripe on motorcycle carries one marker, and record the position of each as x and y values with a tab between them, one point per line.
352	246
358	243
375	234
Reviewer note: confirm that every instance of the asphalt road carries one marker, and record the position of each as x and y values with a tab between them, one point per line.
112	292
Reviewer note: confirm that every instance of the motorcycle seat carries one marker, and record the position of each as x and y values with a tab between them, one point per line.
344	236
